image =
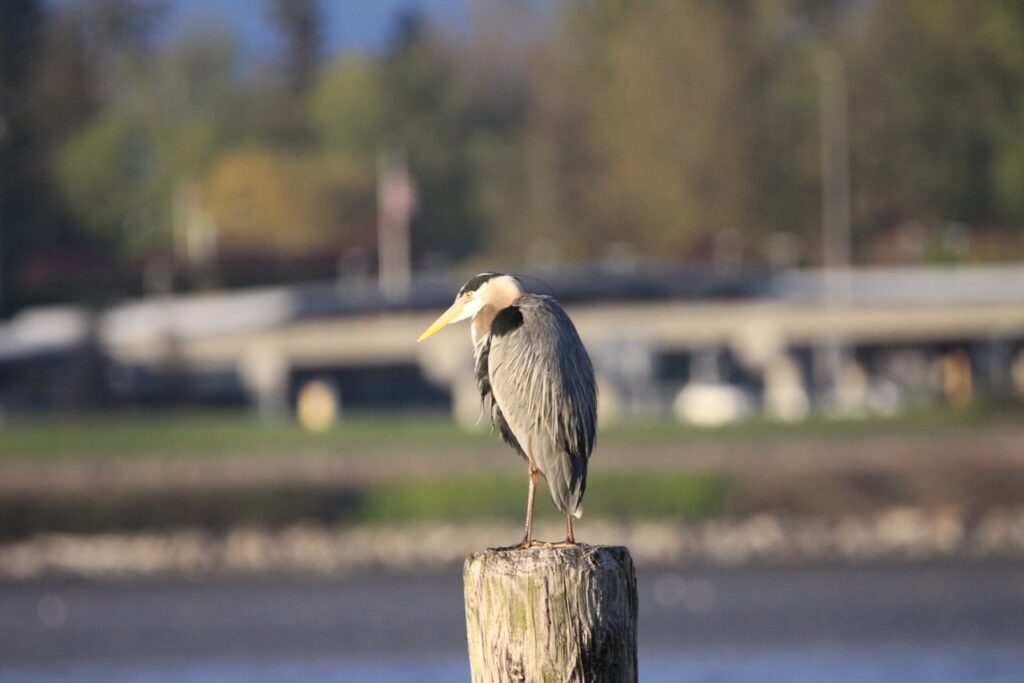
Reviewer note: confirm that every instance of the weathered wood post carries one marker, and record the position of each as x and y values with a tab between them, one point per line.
551	614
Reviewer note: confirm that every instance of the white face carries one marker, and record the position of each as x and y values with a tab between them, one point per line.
472	302
499	291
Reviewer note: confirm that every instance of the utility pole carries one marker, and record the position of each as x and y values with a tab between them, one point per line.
835	160
835	204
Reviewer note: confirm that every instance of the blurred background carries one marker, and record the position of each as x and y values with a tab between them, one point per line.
791	234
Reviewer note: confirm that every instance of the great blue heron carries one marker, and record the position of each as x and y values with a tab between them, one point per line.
536	382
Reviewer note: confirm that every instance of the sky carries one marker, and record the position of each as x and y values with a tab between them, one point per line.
348	24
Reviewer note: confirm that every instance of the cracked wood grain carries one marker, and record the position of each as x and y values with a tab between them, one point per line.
551	615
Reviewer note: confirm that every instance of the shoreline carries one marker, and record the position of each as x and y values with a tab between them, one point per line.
891	534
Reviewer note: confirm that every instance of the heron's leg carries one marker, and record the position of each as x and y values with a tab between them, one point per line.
570	537
528	541
531	496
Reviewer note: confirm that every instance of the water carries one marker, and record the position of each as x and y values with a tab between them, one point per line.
924	663
931	663
325	671
915	622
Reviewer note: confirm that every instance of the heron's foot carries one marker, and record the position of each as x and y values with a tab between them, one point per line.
529	545
524	544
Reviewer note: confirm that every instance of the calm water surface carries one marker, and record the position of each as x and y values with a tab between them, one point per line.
934	663
927	622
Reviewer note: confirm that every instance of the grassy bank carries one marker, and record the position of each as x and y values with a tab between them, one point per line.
498	498
222	470
129	435
688	496
132	435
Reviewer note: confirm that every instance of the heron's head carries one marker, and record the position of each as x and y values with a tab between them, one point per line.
493	291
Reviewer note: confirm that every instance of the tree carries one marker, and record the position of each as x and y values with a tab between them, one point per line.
272	201
644	124
674	147
23	178
917	121
512	191
936	115
167	122
1000	36
423	114
298	22
347	107
66	85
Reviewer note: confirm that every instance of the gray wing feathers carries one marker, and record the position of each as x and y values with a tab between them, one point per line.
543	383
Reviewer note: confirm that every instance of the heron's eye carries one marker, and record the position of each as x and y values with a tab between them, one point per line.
470	294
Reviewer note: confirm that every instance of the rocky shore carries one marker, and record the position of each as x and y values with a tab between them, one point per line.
899	533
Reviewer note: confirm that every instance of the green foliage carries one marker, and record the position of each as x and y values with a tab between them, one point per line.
1001	34
630	476
423	115
27	213
346	108
622	496
106	172
658	125
936	119
213	434
646	126
169	121
671	154
264	199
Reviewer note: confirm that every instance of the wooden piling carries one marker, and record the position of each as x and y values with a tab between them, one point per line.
552	614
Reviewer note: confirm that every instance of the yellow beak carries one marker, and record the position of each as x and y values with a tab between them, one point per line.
447	317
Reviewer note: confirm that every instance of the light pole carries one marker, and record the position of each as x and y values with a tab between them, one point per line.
835	160
835	204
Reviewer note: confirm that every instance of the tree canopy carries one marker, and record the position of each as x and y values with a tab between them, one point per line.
597	127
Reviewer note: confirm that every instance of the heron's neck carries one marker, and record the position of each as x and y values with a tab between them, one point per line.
481	325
